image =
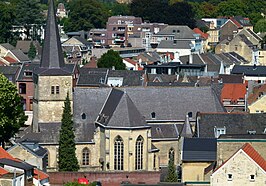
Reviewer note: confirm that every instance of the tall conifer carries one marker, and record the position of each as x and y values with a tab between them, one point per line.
172	175
67	156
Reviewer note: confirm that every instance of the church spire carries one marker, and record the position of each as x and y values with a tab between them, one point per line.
186	130
52	55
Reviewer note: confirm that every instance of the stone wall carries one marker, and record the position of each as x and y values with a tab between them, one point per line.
106	178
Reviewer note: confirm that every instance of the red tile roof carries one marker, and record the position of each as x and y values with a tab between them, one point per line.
10	59
3	171
233	91
202	34
253	154
38	174
5	154
236	22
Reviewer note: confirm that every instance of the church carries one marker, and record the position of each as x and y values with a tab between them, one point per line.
116	129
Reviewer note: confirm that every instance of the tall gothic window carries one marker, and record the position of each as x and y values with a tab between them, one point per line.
139	154
119	154
85	156
172	154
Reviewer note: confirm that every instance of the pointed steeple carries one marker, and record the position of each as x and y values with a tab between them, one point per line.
52	55
186	130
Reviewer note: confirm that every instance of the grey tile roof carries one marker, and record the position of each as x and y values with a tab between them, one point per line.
34	148
168	103
179	31
82	40
120	111
242	136
235	123
99	77
7	46
92	77
165	131
183	44
249	70
20	55
21	165
52	61
232	78
199	149
243	21
254	34
130	77
10	72
196	59
27	67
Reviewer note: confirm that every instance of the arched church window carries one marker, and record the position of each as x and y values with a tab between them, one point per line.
119	153
85	156
171	154
139	153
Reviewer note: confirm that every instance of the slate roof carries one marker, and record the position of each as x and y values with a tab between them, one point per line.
82	40
52	61
92	77
130	78
249	70
30	67
196	59
199	149
254	34
235	123
21	165
182	44
231	78
33	148
7	46
20	55
242	20
24	46
98	77
169	103
179	31
119	111
165	131
9	71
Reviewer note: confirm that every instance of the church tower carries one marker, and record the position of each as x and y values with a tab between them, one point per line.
53	79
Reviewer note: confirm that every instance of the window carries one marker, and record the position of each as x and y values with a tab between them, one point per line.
171	154
85	156
139	154
235	47
22	88
252	177
119	154
28	73
219	131
24	104
154	161
52	90
229	177
153	115
55	90
83	116
31	104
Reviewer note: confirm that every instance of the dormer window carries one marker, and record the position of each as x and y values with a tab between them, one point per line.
219	131
28	73
83	116
153	115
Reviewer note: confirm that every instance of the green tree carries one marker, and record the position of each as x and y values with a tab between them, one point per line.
12	116
260	26
32	51
232	8
67	156
85	15
181	13
6	21
111	59
29	15
171	175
